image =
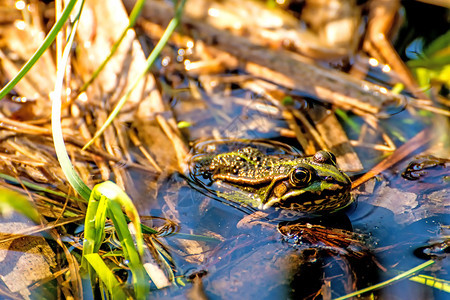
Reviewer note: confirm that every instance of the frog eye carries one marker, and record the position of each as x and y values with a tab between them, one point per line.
324	156
300	176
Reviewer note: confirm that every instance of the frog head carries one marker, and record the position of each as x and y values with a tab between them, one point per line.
313	184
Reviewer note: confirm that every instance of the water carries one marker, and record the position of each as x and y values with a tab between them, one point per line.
397	223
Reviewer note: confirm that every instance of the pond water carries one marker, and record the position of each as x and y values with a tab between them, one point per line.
394	224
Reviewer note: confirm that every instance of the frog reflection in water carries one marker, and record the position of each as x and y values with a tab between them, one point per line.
306	184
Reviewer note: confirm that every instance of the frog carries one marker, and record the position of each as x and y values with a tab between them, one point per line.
281	181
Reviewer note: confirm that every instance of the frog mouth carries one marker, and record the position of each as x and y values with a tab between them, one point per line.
311	201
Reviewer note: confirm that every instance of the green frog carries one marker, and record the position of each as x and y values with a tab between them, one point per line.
305	184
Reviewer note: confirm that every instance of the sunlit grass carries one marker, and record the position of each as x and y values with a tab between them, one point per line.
397	278
173	24
433	65
437	283
11	201
63	157
44	46
132	21
39	188
106	200
108	278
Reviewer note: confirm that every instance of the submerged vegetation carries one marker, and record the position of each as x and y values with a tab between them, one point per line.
85	117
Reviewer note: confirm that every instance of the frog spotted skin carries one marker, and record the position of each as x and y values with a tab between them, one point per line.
309	184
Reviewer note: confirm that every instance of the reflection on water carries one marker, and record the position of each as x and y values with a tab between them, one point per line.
392	227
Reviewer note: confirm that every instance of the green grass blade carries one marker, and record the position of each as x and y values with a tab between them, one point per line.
106	276
387	282
348	121
440	284
39	188
438	45
45	44
430	63
173	24
194	237
114	193
94	226
58	140
108	200
94	232
132	21
120	224
135	12
10	200
140	280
